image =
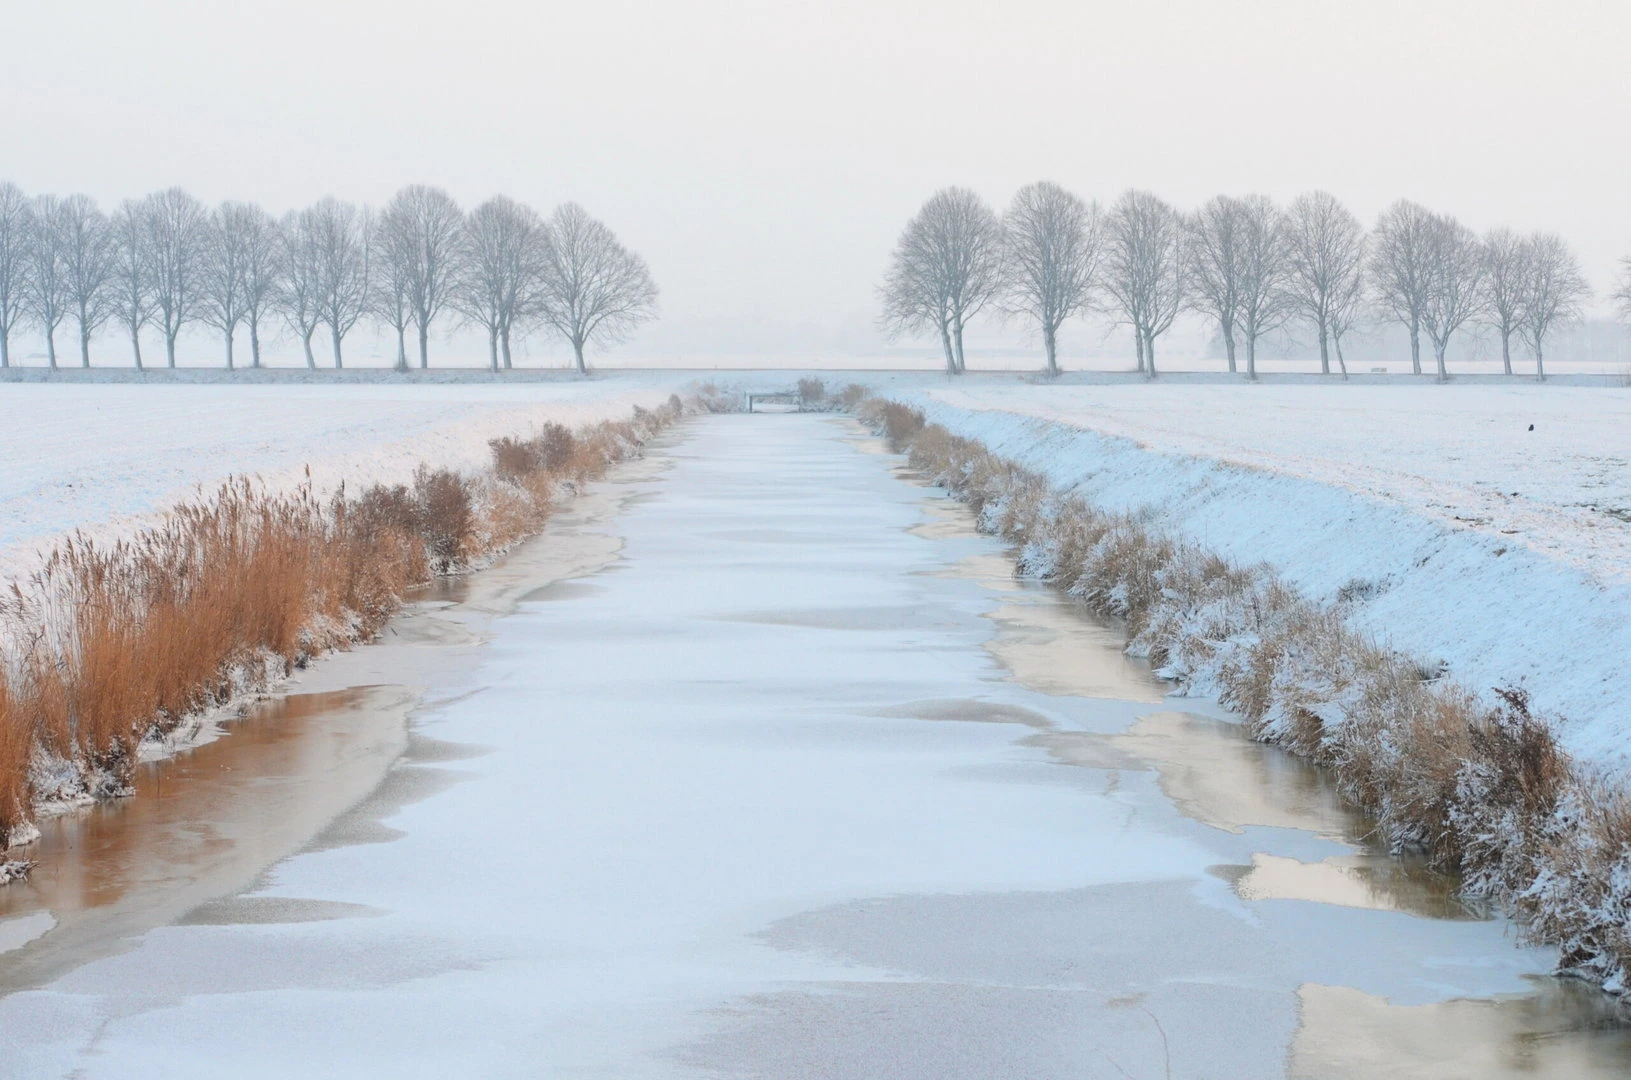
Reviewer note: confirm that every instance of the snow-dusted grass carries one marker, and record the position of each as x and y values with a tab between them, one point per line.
1482	787
106	459
1443	526
109	644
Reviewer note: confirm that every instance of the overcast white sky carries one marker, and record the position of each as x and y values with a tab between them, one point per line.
763	156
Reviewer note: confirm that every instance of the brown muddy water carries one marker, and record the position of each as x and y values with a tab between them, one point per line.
760	763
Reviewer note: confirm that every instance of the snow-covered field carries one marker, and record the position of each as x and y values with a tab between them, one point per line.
104	458
1452	529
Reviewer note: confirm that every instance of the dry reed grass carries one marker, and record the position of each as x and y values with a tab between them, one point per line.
107	646
1481	787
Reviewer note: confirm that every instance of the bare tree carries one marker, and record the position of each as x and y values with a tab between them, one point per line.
506	247
16	223
428	231
47	278
1622	290
222	278
263	251
915	294
593	288
1325	260
342	232
1505	284
300	285
132	284
1345	306
89	265
1212	234
1555	291
947	266
1455	294
1054	241
1399	268
1264	302
392	292
1144	267
176	225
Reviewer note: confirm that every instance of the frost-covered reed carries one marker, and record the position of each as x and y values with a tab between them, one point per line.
1483	789
105	647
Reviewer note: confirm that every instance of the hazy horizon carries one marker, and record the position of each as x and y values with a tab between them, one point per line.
763	158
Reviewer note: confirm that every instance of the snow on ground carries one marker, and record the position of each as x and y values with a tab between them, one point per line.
1502	551
104	458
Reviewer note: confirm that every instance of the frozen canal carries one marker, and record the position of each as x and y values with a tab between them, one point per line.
761	765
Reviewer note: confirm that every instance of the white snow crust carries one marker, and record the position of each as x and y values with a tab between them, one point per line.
1451	529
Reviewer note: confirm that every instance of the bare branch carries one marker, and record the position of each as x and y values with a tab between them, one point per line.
15	226
505	256
594	290
1145	267
422	230
947	266
1555	291
1325	261
1399	268
1054	242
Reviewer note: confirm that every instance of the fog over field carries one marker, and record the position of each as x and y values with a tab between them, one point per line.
763	157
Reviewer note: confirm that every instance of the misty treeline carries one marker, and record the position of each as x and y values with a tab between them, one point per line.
1246	264
167	261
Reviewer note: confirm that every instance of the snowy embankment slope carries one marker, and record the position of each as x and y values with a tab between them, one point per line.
1433	514
105	459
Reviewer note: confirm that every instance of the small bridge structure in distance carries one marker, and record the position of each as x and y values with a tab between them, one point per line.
775	400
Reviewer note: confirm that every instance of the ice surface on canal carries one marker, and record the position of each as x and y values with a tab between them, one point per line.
769	796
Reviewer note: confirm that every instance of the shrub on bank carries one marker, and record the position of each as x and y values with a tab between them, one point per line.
1482	788
107	646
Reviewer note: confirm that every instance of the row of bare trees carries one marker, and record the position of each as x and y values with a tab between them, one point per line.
1245	263
167	261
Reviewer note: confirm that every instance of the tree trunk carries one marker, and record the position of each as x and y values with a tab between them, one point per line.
5	348
1251	358
957	339
1415	349
1050	345
1229	346
577	352
945	345
84	345
1341	363
1438	354
254	343
492	348
1540	364
1149	353
504	344
51	347
136	346
1325	350
424	347
170	348
335	335
1138	342
1506	351
305	339
229	350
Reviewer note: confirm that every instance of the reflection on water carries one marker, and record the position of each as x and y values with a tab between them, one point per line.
1369	880
1215	774
201	824
1219	776
1566	1030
